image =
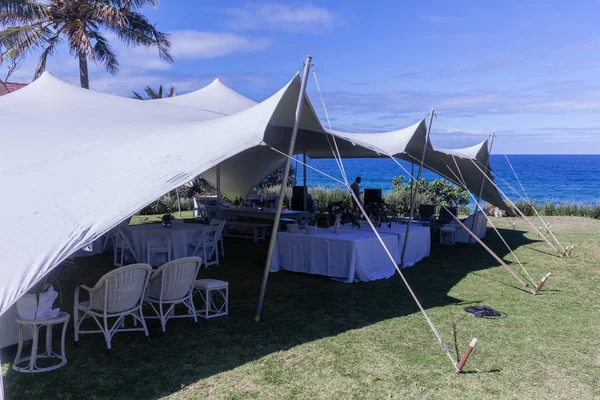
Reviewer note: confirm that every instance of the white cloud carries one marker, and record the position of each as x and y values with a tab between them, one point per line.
189	45
194	45
280	17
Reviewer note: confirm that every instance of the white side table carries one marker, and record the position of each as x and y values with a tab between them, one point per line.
447	235
215	297
28	364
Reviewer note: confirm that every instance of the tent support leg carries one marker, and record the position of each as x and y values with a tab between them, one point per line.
304	178
1	383
412	199
178	202
219	190
487	165
286	172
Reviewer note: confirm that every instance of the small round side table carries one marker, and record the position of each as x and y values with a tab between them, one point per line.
28	364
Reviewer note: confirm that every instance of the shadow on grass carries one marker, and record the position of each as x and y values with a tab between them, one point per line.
298	309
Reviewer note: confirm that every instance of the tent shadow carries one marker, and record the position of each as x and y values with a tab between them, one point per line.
299	308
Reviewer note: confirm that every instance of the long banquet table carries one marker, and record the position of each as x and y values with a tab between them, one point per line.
261	213
181	236
353	255
419	240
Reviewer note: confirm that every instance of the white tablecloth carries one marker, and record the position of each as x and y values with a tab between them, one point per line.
419	240
181	236
352	255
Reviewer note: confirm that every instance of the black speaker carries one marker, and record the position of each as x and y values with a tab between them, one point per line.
372	196
298	195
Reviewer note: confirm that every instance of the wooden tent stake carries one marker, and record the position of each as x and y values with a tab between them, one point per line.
465	356
539	287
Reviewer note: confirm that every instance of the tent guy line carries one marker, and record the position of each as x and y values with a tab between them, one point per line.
488	220
514	206
513	273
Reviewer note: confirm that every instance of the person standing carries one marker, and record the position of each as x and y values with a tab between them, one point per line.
355	187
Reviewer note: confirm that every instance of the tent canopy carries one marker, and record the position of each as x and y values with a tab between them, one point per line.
93	159
83	161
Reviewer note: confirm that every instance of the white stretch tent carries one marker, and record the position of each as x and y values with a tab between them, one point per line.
83	161
94	159
407	144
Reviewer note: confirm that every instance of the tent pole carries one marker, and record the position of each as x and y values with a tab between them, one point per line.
1	383
412	199
178	202
219	190
487	167
305	190
286	173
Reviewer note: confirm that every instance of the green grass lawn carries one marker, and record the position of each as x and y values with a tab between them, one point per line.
324	339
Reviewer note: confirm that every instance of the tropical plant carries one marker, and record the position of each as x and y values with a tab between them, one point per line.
31	26
152	94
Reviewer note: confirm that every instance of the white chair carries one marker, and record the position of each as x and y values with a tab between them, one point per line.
172	284
206	246
219	235
121	245
109	236
159	242
215	297
117	294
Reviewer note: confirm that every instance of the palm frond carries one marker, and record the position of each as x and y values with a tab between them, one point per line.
139	31
153	94
22	12
109	15
48	51
133	5
22	40
79	41
104	53
138	96
171	92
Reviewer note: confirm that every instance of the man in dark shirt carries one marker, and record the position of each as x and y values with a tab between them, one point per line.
356	188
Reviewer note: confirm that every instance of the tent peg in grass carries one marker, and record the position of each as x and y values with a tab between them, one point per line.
465	356
541	285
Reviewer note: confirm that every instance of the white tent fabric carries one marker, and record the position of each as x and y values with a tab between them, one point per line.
408	144
215	97
93	159
82	161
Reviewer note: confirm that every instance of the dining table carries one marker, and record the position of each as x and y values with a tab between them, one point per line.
182	234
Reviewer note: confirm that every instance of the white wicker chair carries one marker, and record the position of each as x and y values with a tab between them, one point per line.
117	294
121	245
159	242
219	235
172	284
206	246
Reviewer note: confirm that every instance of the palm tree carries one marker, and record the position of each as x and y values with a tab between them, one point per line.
32	25
154	94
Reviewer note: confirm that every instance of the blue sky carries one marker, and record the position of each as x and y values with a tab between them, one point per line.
527	70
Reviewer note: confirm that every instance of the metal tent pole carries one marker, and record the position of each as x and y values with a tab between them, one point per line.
219	190
286	173
1	383
178	202
487	167
305	190
412	200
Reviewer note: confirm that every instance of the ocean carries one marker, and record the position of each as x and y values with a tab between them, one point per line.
548	178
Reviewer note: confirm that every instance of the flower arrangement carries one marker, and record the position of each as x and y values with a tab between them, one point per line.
167	220
343	215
